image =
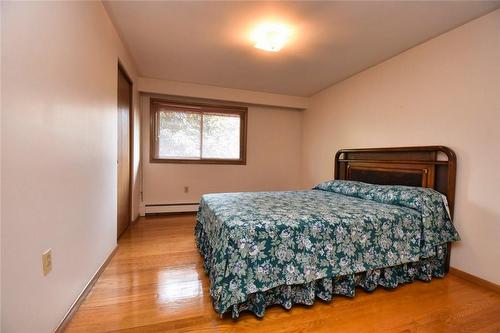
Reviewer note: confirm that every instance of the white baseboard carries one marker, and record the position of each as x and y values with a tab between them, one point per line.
170	208
142	210
81	297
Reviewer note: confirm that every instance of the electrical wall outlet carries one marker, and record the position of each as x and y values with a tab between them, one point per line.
47	261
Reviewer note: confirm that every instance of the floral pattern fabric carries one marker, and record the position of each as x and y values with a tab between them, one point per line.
260	247
326	288
432	205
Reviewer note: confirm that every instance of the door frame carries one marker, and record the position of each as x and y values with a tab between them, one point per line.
122	69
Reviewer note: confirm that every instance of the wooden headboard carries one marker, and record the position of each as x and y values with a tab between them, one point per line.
425	166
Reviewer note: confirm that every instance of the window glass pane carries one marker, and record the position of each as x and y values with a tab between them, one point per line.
179	134
221	136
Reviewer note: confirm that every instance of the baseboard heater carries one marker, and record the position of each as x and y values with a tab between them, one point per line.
182	207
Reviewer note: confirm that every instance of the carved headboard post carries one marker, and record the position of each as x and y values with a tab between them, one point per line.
411	166
452	176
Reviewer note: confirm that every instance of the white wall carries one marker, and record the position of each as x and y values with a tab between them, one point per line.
273	161
192	90
445	91
136	158
59	146
1	9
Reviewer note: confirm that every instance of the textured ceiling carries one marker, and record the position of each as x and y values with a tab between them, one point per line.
207	42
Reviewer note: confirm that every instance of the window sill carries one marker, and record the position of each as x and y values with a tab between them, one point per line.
205	161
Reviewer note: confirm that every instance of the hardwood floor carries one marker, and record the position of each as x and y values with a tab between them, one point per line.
156	283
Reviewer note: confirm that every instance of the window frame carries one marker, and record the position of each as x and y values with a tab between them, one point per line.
155	106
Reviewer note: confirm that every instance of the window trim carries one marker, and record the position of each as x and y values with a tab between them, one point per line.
201	108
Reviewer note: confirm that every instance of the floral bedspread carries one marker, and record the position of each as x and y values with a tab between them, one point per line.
253	242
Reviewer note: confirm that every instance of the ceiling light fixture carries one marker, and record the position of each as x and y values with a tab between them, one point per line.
271	36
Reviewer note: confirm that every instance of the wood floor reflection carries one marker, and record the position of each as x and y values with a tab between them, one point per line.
156	283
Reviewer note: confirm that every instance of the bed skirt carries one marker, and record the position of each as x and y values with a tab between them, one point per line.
326	288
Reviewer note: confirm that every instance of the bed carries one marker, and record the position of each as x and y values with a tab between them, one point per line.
385	219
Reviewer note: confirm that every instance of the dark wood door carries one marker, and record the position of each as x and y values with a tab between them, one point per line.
124	155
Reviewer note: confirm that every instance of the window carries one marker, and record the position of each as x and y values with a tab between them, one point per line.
197	133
